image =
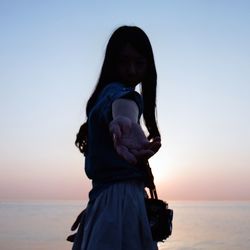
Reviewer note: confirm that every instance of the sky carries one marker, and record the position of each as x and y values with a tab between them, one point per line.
51	53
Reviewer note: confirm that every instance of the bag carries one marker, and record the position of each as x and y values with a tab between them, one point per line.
160	217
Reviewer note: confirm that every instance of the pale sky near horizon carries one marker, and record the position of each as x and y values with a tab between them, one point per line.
50	57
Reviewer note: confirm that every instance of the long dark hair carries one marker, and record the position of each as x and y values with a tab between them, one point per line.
137	38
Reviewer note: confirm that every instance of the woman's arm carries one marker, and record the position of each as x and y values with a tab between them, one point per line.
126	108
129	139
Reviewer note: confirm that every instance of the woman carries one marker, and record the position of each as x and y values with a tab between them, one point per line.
116	148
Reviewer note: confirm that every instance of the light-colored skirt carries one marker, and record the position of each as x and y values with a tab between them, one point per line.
117	220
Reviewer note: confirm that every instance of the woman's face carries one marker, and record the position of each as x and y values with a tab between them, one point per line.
131	66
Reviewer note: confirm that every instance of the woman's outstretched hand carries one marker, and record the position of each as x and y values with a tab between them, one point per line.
130	141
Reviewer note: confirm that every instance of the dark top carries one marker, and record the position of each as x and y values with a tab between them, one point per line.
102	163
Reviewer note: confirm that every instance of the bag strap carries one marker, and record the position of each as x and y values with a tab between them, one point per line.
150	182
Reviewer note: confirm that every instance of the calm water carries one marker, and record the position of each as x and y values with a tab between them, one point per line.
44	225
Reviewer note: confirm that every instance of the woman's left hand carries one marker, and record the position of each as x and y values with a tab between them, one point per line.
130	141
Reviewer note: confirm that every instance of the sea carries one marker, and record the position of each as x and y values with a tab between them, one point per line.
197	225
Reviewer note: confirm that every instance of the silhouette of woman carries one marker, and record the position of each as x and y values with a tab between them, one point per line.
116	148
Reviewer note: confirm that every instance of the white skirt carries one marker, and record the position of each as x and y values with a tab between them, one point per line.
117	220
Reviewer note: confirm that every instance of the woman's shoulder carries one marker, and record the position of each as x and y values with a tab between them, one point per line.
114	90
117	89
113	87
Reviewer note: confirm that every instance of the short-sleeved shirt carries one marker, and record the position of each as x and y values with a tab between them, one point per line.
102	163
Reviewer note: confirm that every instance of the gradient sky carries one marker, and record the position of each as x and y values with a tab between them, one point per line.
51	52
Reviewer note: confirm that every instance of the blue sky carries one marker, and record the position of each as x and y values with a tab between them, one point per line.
51	53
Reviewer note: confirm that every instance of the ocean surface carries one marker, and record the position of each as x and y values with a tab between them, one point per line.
44	225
